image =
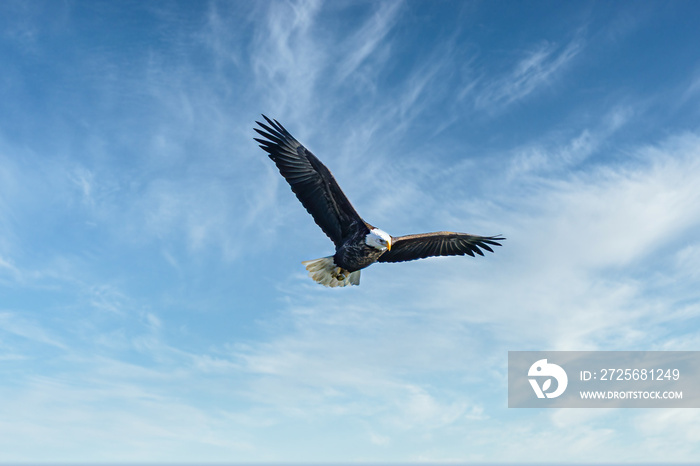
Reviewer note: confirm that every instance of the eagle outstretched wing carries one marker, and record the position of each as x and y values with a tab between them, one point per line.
442	243
311	181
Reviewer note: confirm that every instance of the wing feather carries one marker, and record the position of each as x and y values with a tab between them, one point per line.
442	243
310	180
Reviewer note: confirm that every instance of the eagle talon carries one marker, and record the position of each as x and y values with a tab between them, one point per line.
338	274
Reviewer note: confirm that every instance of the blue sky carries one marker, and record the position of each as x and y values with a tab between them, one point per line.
153	305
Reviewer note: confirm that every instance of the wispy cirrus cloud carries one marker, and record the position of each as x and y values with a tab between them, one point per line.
537	68
12	323
366	40
588	242
550	154
287	58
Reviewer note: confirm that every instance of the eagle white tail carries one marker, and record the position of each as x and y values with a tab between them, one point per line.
325	272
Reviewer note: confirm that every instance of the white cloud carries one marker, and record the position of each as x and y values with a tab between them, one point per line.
287	59
578	248
420	409
368	38
11	323
551	155
539	67
79	420
8	267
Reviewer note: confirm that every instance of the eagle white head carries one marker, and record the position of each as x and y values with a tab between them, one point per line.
378	239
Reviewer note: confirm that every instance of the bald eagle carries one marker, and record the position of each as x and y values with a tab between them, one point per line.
357	243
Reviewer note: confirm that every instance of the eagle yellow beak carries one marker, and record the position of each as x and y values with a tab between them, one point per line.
388	245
